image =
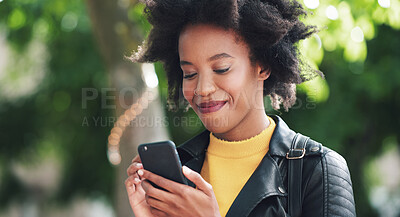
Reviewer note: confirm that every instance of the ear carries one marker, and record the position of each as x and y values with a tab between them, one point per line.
263	73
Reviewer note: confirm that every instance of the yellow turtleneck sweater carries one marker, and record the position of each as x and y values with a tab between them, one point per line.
229	164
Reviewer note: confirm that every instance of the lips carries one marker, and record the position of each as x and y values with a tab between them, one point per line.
210	106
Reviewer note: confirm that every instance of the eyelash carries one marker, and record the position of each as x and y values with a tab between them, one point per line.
189	76
219	71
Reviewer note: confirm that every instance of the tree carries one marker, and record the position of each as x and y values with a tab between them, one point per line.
116	35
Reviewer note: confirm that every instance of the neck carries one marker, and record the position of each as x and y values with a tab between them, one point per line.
251	125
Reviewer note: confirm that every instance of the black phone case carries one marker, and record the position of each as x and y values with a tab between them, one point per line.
162	159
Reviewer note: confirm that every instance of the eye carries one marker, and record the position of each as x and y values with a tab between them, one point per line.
220	71
189	76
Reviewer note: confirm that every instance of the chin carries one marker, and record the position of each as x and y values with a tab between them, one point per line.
216	125
216	122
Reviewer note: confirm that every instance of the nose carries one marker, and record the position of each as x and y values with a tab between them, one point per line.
205	86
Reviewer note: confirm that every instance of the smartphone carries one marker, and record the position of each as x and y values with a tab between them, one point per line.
162	159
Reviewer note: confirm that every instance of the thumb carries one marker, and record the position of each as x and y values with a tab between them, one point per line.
196	178
137	159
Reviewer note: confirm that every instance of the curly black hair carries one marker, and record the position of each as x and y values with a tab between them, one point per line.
271	29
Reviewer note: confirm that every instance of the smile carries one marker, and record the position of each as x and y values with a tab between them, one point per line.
211	106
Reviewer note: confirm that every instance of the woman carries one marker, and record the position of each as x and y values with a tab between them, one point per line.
224	57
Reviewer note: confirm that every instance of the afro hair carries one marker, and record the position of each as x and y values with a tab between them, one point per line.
271	29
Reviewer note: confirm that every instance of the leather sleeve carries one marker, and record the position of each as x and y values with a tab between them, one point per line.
328	191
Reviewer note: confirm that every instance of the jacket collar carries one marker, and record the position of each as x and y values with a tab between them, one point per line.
266	180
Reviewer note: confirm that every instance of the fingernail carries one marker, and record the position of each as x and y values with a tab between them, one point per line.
137	180
138	164
140	172
186	169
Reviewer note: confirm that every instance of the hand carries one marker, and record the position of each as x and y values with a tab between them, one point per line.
179	199
135	191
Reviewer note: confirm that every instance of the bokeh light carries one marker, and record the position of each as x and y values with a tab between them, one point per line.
357	34
332	13
312	4
149	75
384	3
69	22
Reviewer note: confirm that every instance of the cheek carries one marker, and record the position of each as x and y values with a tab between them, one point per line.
188	90
236	83
240	85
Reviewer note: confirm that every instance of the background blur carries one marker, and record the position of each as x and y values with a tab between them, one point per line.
65	82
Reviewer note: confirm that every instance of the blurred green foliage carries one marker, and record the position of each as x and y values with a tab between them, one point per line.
353	111
50	116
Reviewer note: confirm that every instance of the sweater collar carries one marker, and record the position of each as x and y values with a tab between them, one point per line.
243	148
278	146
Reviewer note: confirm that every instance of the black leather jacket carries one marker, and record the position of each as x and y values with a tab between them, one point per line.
326	184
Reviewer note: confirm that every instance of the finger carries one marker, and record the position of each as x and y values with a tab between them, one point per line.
136	159
156	193
130	185
132	182
197	180
157	212
133	168
157	204
167	184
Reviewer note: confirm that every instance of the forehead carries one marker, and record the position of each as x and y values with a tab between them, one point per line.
205	39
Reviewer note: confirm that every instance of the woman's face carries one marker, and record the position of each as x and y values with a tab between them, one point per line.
219	81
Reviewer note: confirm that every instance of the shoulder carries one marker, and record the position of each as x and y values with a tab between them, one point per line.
338	185
327	156
336	172
335	163
328	177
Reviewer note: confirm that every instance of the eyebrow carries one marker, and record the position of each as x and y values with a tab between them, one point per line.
215	57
